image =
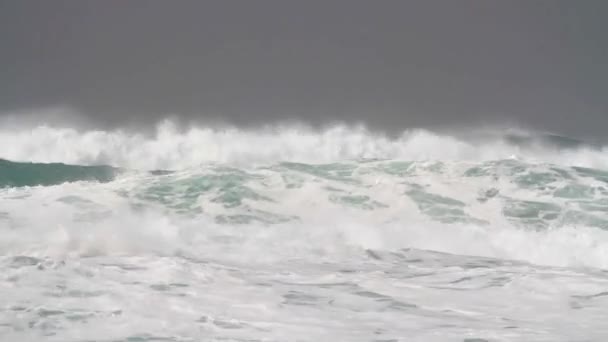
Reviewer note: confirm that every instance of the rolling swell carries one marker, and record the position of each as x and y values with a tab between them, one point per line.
16	174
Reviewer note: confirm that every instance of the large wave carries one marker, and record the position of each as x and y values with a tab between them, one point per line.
449	232
171	148
489	194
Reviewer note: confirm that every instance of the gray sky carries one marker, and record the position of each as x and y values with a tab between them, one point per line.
393	64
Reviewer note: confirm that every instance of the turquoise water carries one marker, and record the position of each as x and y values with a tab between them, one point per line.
535	196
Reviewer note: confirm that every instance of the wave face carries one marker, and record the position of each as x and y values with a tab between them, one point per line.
14	174
292	234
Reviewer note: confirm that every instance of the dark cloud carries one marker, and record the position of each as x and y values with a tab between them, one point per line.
392	64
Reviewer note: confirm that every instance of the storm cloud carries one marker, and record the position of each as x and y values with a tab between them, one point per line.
391	64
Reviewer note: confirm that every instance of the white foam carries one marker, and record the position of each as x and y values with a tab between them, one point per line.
107	261
169	148
104	223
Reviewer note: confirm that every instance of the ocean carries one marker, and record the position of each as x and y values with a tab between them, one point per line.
287	233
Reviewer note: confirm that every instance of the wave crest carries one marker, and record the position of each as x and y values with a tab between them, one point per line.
170	148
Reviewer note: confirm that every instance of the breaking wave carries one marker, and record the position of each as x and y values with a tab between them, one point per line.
171	148
239	233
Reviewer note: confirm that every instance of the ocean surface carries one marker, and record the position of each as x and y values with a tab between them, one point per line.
295	234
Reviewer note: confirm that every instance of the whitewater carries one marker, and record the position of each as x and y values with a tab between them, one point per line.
288	233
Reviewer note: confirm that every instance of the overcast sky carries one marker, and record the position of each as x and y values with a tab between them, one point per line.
392	64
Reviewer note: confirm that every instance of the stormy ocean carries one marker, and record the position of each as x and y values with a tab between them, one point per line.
295	234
